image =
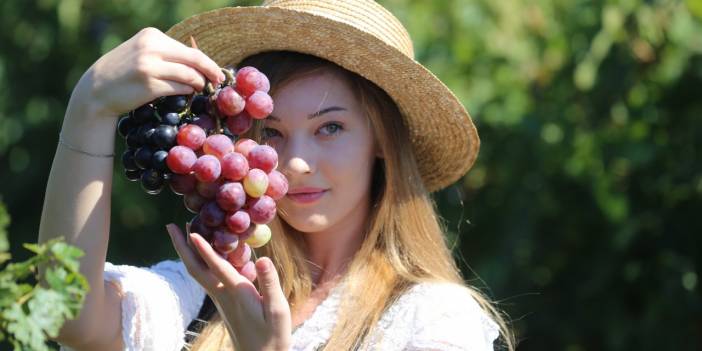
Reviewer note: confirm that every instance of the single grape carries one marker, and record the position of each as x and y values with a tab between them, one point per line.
152	181
240	255
260	236
142	157
207	168
245	70
211	214
144	114
256	182
132	175
238	222
128	160
249	81
205	121
196	226
193	201
192	136
182	183
277	185
171	119
259	105
234	166
229	102
158	161
145	132
248	270
181	159
218	145
244	145
199	104
209	190
262	210
225	241
240	123
173	103
231	196
133	139
164	137
125	125
263	157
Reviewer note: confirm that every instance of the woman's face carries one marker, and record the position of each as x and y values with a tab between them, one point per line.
325	144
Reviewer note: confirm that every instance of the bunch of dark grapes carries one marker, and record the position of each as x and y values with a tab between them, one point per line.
192	144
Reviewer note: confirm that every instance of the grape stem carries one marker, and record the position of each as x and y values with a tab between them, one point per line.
229	77
210	89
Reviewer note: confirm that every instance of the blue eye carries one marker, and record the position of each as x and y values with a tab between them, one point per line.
267	133
332	128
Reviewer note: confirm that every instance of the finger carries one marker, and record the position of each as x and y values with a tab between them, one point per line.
195	58
219	266
190	243
159	87
275	305
189	257
178	72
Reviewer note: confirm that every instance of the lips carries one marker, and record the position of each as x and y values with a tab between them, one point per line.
306	189
306	195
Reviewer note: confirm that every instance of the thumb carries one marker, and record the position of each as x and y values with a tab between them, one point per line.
275	305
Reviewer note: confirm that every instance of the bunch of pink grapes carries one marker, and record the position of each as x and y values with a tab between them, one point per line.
230	183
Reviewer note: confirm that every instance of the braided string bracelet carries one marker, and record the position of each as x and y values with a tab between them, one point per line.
63	142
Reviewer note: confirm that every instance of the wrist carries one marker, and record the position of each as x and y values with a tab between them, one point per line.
84	128
84	101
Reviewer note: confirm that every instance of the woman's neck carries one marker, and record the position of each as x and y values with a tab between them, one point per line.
331	251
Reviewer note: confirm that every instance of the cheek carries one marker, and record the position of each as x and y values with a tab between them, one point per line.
348	169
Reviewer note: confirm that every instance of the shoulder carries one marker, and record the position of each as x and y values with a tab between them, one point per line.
443	315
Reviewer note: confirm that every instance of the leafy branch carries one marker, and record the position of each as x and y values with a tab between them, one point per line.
31	312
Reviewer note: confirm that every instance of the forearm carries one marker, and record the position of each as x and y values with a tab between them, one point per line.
77	200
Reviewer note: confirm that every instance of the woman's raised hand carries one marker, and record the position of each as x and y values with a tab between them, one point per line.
255	321
147	66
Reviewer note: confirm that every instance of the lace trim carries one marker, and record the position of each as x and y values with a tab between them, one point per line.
402	324
316	330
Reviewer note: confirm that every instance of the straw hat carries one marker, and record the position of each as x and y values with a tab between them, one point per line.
363	37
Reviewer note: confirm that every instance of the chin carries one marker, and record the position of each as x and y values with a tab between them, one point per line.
307	224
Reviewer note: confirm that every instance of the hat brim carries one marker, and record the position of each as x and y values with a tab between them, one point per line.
444	139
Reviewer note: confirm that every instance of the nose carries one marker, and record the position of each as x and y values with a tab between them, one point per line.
297	157
298	165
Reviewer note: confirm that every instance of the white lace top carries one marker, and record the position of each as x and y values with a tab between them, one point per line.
160	302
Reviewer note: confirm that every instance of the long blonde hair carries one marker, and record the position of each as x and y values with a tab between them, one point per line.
404	242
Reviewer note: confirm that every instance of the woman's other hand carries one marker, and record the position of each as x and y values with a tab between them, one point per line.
256	321
147	66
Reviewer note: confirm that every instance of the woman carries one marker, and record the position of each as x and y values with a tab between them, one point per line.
359	262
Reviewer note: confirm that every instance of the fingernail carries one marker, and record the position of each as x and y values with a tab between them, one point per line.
266	266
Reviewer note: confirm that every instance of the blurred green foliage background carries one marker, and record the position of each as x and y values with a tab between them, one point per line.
582	214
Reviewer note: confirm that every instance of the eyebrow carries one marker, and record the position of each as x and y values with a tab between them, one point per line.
314	115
